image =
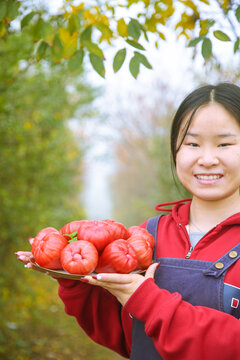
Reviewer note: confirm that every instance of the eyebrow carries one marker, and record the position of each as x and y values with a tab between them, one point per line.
218	135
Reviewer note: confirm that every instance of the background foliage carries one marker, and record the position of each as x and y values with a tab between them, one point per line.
41	183
84	28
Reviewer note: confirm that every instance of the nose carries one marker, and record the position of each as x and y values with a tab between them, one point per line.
208	158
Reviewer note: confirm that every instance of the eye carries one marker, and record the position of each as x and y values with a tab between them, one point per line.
224	145
192	144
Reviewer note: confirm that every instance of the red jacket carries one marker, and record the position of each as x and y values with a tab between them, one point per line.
182	331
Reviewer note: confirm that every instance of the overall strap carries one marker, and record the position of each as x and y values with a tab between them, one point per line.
152	227
222	264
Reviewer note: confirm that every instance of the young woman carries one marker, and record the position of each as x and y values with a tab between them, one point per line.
187	306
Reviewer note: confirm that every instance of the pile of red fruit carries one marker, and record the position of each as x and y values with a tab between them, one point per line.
84	246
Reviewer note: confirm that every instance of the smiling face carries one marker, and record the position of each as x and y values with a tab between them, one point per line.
208	160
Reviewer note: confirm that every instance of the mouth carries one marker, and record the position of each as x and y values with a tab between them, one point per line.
208	177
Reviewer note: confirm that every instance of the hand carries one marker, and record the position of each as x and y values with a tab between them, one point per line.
122	286
24	256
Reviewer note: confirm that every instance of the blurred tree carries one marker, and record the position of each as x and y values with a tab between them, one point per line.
41	183
143	175
41	160
83	27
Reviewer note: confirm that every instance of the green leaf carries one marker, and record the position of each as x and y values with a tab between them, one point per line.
94	49
3	9
74	23
72	235
105	30
142	59
73	239
134	66
97	64
46	31
75	62
41	50
12	9
135	44
134	29
57	49
195	41
237	13
144	32
86	35
206	48
236	45
119	59
26	20
220	35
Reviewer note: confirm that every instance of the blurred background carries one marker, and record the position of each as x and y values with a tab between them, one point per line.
77	145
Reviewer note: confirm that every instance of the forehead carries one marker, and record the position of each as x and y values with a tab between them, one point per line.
210	117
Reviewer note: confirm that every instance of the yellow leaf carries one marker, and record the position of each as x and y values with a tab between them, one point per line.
151	24
90	18
191	5
27	126
187	22
70	48
64	35
161	35
103	19
2	29
77	9
57	115
225	4
122	28
205	25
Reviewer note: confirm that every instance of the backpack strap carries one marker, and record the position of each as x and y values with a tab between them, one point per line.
152	227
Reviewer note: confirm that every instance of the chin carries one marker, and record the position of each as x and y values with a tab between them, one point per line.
211	197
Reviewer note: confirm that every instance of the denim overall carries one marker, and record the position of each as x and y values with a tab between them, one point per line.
199	283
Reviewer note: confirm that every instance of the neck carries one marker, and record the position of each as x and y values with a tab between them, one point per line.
206	214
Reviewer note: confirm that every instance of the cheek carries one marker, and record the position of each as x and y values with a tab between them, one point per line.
184	164
181	167
183	160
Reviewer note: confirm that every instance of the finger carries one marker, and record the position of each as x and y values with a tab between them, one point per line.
114	278
28	266
23	256
151	270
30	239
106	285
109	279
25	253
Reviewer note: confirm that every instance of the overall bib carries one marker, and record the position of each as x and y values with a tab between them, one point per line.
199	283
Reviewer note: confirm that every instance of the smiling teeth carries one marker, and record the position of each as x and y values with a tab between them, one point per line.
208	177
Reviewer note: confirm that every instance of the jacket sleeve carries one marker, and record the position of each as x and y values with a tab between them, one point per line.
99	314
183	331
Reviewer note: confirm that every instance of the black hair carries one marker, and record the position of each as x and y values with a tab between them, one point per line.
226	94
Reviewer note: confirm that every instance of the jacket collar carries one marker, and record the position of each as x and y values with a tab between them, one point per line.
180	212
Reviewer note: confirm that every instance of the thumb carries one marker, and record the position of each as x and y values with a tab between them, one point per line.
30	239
151	270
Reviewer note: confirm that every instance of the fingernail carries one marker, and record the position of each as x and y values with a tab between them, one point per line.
97	277
84	280
28	266
21	257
